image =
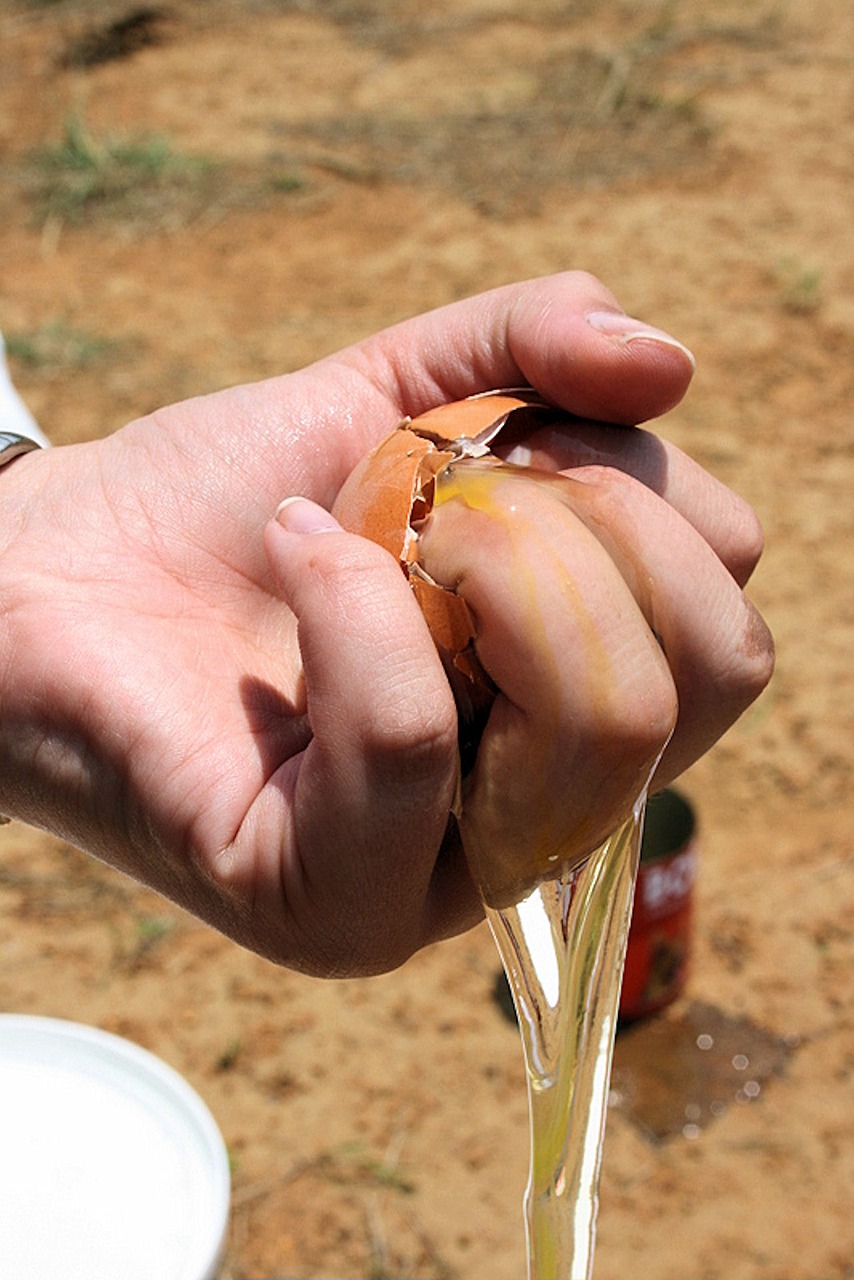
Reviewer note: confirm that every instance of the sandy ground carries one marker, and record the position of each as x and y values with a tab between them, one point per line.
330	168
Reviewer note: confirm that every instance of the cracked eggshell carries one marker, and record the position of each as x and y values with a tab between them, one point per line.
391	490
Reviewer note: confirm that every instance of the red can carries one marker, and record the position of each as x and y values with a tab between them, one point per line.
659	946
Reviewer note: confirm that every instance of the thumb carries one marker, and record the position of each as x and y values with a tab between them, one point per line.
564	334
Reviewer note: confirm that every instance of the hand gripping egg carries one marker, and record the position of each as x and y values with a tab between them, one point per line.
495	553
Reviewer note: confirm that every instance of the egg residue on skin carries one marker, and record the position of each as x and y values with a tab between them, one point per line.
535	798
393	490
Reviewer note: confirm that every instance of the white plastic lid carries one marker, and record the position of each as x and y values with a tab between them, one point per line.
111	1166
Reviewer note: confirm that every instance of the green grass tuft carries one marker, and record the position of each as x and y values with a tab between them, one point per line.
56	345
82	172
800	287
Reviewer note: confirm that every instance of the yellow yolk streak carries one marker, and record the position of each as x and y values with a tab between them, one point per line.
539	837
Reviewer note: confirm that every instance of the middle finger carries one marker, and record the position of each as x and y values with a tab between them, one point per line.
723	519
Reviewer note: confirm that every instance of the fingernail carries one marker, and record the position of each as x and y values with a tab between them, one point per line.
301	515
616	325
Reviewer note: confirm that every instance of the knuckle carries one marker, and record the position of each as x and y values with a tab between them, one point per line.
755	657
586	283
720	689
632	728
414	733
746	542
646	723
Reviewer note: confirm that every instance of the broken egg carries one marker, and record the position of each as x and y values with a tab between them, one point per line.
493	552
392	491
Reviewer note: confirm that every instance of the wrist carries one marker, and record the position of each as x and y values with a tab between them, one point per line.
20	493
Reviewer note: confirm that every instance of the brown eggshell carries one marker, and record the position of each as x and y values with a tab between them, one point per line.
382	498
478	416
378	498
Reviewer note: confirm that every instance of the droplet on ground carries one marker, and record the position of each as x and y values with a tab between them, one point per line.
688	1065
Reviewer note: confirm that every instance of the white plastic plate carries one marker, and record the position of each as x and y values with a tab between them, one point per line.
111	1166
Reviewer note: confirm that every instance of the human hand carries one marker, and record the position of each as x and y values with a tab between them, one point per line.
257	724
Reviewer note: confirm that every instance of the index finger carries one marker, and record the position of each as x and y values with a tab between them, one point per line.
359	815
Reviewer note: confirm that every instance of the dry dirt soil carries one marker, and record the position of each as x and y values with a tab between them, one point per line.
198	194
